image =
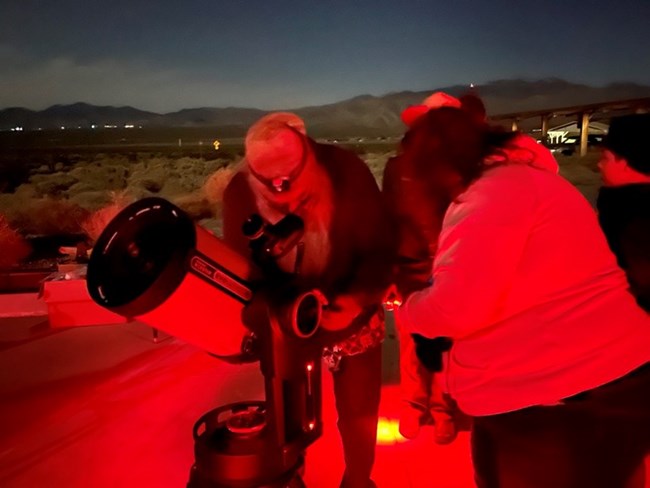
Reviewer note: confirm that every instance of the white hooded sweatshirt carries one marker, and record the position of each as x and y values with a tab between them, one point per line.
526	286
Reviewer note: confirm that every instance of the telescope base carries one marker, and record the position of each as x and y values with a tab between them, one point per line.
233	448
291	480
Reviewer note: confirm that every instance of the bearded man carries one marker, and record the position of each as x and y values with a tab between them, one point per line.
346	251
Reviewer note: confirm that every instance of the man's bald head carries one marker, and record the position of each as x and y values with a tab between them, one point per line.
276	145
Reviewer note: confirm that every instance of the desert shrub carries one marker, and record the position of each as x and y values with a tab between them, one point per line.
189	164
149	175
216	183
48	216
229	156
205	202
97	221
91	200
151	185
137	193
83	187
52	185
170	178
96	176
25	191
176	185
190	174
377	162
12	175
212	165
14	203
196	205
13	247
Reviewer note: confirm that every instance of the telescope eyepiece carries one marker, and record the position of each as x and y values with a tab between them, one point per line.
307	312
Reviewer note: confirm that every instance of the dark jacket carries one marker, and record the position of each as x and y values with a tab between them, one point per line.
624	214
418	215
361	233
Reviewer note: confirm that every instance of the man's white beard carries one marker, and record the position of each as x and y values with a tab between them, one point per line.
316	212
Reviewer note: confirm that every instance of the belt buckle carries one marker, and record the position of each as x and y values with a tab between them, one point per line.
332	358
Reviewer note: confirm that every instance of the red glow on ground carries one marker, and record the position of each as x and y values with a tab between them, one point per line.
106	407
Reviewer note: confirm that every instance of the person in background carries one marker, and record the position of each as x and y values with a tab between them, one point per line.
624	200
550	349
346	251
418	210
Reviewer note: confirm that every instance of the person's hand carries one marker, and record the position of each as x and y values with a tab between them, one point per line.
340	313
429	351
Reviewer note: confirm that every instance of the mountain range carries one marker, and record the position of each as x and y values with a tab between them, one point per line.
363	115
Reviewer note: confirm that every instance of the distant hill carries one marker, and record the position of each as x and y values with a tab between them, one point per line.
364	115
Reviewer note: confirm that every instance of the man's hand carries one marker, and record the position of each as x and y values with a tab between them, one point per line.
340	313
429	351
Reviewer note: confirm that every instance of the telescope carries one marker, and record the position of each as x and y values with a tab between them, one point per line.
153	264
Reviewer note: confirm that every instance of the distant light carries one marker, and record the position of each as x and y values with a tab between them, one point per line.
129	126
216	144
62	128
93	126
471	85
312	425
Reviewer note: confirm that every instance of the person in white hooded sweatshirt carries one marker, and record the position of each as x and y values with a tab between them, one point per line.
550	349
418	212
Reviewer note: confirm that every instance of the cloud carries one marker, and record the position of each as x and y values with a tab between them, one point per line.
37	84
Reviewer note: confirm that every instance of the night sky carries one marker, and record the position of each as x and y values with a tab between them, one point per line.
166	55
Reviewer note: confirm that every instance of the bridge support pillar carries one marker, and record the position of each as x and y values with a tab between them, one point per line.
545	120
584	133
